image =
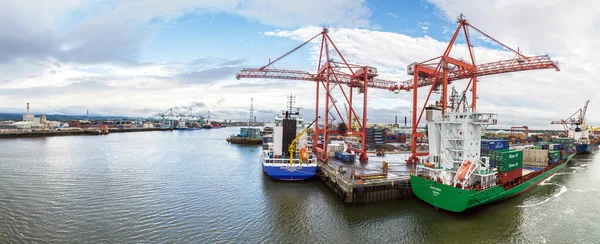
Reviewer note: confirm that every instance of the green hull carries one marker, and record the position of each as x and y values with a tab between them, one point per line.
457	200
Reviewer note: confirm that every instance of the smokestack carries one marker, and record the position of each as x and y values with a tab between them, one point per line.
87	114
404	121
27	107
395	123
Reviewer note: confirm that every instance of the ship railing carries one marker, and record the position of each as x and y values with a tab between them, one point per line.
485	118
287	161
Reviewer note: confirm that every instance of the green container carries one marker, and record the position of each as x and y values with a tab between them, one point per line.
494	155
510	156
554	154
509	166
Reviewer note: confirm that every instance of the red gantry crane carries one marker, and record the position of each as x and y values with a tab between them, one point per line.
330	74
443	70
524	128
572	120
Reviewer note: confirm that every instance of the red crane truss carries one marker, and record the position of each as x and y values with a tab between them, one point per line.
447	69
329	75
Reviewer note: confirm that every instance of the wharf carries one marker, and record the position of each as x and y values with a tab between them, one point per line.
393	186
23	134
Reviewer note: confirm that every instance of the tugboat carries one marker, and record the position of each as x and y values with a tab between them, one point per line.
287	157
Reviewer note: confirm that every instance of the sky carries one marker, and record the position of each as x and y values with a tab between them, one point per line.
141	58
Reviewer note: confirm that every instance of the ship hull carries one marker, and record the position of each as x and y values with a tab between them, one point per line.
290	173
583	148
458	200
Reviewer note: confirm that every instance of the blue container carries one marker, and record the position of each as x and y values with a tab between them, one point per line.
492	145
344	156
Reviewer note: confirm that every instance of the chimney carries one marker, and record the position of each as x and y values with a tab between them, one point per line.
404	121
396	120
27	107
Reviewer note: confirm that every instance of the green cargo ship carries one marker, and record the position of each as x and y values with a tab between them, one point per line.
457	200
457	177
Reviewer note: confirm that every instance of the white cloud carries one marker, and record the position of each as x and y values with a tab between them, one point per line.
392	15
270	12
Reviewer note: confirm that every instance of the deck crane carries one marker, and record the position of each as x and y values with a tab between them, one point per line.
571	120
330	74
292	146
443	70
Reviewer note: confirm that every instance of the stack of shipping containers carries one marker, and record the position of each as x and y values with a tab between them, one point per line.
489	146
509	164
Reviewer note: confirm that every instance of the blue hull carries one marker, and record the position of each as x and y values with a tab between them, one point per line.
583	148
290	172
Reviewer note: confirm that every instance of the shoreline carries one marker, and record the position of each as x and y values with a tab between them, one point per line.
26	134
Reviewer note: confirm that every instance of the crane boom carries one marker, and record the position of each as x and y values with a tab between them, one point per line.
454	73
492	68
584	111
345	79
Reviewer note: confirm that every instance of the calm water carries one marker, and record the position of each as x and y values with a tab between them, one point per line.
191	186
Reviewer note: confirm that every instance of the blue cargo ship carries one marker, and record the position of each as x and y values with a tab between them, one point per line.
289	129
581	135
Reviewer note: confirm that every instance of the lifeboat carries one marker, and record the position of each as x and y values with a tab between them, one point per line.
462	172
428	164
303	154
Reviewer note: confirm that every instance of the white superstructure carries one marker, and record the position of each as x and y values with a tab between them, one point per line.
455	148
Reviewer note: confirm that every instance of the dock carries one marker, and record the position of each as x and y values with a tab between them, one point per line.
352	189
41	133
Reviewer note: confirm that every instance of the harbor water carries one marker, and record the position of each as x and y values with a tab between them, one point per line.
192	186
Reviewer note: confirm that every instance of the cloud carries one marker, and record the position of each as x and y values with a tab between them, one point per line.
197	104
234	62
209	75
393	15
269	12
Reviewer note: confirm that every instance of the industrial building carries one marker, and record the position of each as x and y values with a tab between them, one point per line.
31	122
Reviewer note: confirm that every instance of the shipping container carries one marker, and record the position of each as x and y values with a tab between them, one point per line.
510	175
552	154
535	158
344	156
509	156
494	144
509	166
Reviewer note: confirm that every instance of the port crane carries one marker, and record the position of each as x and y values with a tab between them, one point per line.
571	120
443	70
524	128
292	146
329	75
167	115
